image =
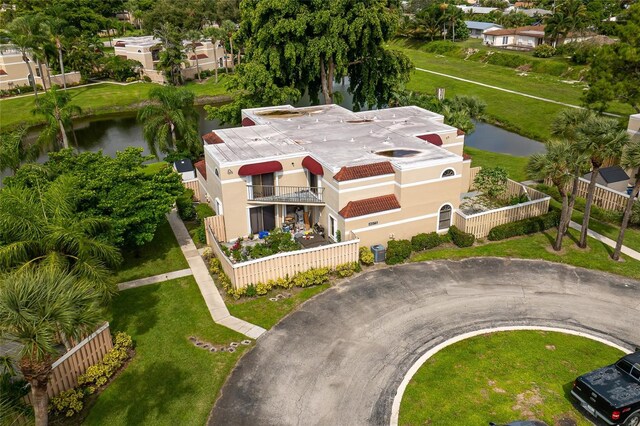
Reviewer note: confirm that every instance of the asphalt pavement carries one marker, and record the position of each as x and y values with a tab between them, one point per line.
339	359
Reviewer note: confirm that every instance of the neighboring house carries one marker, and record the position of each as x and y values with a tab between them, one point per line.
185	169
515	38
529	12
15	73
476	28
377	175
613	177
477	9
146	50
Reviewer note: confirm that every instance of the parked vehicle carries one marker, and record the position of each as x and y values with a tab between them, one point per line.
612	393
521	423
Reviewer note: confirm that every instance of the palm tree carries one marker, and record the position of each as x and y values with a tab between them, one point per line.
229	28
193	38
601	139
215	34
13	151
55	106
36	306
59	30
171	121
39	226
630	160
558	164
28	34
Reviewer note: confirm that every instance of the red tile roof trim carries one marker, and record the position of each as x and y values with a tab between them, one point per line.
460	132
364	171
211	138
3	72
201	167
200	56
466	157
432	138
369	206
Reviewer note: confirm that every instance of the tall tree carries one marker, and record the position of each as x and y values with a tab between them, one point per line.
614	72
39	225
171	56
170	122
35	307
215	34
193	39
28	34
630	160
601	139
14	151
558	164
308	46
229	29
56	107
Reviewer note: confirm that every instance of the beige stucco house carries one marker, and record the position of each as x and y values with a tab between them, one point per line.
373	175
14	72
146	50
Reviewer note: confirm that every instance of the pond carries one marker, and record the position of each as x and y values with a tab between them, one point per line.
494	139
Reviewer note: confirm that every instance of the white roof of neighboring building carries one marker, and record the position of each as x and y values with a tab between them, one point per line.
477	9
477	25
334	136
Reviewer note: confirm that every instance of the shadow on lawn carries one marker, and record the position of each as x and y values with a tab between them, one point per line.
134	311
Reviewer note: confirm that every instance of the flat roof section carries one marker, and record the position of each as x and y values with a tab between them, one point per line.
335	136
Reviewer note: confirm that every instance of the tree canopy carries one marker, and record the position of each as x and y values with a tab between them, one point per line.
116	189
293	47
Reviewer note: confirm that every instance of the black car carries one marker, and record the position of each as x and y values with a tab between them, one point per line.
612	393
521	423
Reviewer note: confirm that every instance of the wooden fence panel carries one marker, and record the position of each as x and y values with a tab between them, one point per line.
90	351
193	185
603	197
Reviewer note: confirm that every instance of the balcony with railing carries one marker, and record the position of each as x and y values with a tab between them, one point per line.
275	194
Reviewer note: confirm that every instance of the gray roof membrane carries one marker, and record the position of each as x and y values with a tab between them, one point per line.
334	136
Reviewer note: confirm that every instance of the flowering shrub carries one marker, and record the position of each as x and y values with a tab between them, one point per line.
68	403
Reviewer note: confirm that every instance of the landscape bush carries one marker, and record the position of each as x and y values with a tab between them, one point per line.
441	47
525	226
184	203
347	269
544	51
398	251
425	241
70	402
366	256
459	238
598	213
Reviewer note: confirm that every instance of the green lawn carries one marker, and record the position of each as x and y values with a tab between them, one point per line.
161	255
526	116
98	99
502	377
515	166
169	381
266	313
538	246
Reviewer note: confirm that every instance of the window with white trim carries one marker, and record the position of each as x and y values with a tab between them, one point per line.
333	227
444	217
448	173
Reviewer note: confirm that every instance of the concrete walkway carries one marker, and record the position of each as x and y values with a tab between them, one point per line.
608	241
212	297
154	279
507	90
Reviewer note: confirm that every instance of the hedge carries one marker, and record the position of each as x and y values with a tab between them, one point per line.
525	226
184	203
366	256
461	239
425	241
398	251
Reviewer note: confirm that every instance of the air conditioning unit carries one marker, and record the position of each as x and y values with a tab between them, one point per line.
379	253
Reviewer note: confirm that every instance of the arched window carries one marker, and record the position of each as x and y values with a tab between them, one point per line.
444	218
448	172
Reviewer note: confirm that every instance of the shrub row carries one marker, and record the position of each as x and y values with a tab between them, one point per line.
70	402
425	241
184	204
525	226
311	277
366	256
459	238
398	251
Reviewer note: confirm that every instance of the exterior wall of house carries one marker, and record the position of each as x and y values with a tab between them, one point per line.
14	71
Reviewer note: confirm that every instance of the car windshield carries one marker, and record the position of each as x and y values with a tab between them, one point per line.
624	365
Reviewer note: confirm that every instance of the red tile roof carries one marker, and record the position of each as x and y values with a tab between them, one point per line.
211	138
363	171
369	206
200	56
432	138
201	167
460	132
2	72
466	157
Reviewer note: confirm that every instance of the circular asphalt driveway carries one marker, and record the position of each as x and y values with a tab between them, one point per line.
340	358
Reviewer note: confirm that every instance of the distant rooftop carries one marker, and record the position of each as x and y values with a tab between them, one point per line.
334	136
477	25
477	9
142	41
